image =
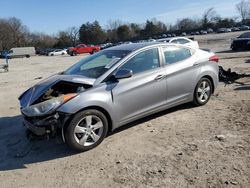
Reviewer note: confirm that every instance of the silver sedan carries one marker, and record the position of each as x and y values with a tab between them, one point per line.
115	87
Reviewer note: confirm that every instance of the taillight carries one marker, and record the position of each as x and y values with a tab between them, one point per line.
214	58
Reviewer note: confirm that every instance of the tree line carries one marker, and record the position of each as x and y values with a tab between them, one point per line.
13	33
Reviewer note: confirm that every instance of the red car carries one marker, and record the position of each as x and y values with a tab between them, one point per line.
83	48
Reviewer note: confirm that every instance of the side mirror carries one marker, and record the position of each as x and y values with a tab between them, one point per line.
123	73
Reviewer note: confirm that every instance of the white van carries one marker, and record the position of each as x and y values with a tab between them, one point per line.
22	52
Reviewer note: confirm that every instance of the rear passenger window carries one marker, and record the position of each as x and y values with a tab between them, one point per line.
176	54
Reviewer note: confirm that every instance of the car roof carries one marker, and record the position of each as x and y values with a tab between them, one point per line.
133	46
171	38
245	35
136	46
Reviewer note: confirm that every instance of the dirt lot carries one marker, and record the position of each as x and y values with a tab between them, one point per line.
174	148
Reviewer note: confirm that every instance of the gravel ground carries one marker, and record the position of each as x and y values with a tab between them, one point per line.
207	146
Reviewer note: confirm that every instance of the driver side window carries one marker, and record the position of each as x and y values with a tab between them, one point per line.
143	61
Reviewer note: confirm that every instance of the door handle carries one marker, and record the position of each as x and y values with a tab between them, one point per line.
159	77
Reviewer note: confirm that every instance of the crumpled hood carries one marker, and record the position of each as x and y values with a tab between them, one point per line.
33	93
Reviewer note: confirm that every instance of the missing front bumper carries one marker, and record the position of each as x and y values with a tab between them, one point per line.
46	126
39	131
42	126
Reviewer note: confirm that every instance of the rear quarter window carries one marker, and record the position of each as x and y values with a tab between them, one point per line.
176	54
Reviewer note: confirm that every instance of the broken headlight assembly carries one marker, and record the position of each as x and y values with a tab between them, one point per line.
47	107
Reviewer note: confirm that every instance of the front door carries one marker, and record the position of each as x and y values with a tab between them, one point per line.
145	91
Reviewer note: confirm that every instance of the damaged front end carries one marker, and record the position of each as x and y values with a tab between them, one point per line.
39	104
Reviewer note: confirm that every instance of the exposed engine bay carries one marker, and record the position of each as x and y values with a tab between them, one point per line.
41	117
62	88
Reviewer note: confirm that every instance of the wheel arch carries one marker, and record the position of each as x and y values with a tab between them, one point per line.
105	112
94	107
211	80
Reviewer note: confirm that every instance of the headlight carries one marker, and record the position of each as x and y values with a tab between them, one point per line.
47	107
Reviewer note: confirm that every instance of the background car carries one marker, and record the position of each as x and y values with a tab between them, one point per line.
116	86
242	42
203	32
221	30
45	51
22	52
57	52
183	34
106	45
235	29
244	27
83	48
181	40
210	30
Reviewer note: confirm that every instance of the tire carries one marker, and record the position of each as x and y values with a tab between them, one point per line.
86	130
27	56
203	91
63	53
94	51
52	55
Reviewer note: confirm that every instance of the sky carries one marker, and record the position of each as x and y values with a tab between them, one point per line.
51	16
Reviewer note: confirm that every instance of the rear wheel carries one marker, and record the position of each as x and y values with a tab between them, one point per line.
27	56
203	91
86	130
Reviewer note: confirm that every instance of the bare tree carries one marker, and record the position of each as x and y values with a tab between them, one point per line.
18	30
40	40
208	17
243	9
73	33
12	33
5	35
114	24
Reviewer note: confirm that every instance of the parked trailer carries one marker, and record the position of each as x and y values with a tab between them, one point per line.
22	52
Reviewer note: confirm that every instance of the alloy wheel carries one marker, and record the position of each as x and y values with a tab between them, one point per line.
88	130
204	91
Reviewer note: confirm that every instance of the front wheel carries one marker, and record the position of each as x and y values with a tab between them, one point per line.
94	51
86	130
203	91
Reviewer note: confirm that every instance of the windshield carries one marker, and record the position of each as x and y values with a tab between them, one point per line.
245	35
96	65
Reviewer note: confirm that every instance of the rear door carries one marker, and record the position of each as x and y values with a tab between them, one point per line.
145	91
182	70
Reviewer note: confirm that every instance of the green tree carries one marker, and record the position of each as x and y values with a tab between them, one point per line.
63	40
150	29
92	33
123	33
